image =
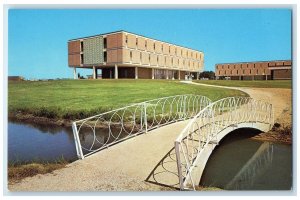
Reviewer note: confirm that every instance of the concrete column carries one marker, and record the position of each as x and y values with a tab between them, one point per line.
94	72
116	71
74	73
167	72
136	73
178	74
173	75
152	70
252	78
197	74
240	77
266	77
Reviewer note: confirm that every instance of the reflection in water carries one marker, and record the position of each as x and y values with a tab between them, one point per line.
240	163
257	165
32	142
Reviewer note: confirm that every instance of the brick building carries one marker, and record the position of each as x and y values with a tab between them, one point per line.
122	54
266	70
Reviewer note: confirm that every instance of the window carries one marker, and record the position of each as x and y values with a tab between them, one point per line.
141	56
154	46
169	49
149	57
146	44
81	58
105	56
81	46
136	41
126	39
130	55
105	43
243	71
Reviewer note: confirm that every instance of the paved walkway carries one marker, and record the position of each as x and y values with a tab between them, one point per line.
146	162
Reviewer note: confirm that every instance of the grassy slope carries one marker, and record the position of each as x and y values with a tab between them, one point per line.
63	99
258	84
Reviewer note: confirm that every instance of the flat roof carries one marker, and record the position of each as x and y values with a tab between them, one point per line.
120	31
253	62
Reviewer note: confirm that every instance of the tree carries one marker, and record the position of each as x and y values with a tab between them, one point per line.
207	74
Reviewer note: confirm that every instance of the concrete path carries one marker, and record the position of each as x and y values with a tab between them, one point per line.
144	163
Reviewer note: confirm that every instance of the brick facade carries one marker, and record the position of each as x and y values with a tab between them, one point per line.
255	70
125	49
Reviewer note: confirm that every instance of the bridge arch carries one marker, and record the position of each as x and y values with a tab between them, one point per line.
204	132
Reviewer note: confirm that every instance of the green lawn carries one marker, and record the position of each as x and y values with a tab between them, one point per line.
65	99
256	83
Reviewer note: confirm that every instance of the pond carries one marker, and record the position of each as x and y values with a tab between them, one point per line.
241	163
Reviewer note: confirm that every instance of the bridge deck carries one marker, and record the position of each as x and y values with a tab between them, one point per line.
130	165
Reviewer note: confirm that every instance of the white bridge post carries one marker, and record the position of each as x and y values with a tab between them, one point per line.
145	117
179	165
77	141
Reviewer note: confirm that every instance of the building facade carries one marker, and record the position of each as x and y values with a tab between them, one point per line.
127	55
266	70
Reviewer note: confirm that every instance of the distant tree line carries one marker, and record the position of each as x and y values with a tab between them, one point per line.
207	75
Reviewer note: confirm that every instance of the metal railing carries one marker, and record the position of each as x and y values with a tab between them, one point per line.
101	131
203	130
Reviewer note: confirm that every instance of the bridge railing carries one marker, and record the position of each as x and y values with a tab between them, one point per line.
203	130
101	131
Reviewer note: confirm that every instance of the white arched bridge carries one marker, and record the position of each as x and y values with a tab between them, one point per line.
207	123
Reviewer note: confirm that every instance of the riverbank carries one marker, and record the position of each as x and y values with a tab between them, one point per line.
19	171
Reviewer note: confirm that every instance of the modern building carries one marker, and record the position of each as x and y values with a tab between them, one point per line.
123	54
265	70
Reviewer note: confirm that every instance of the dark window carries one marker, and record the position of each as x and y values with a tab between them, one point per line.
130	55
136	41
105	42
154	46
126	39
81	46
105	56
81	58
146	44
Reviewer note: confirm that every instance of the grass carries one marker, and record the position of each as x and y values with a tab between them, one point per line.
19	170
76	99
255	83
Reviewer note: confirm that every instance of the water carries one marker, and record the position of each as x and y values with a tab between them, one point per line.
29	142
241	163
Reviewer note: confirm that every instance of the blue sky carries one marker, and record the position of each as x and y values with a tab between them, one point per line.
37	39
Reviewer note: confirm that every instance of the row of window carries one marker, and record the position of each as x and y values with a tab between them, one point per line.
149	58
235	67
238	72
154	47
